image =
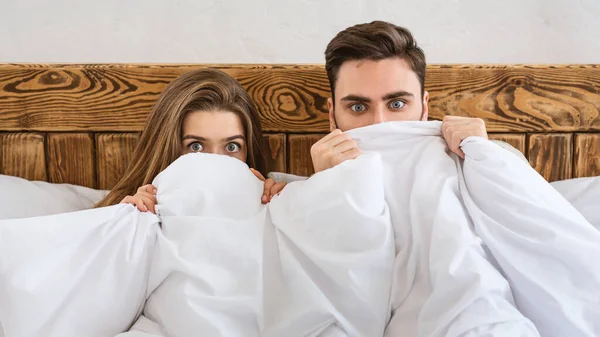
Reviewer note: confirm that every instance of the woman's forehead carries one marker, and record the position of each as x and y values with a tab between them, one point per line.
213	125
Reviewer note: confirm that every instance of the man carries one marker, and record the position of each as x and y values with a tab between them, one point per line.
377	74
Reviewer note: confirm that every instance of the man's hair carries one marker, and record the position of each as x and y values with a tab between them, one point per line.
374	41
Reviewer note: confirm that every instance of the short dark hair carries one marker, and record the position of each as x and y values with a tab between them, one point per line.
374	41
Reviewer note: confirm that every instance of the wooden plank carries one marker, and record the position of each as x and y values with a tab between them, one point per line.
518	98
22	155
551	155
114	151
71	159
587	155
516	140
276	152
300	161
118	97
290	98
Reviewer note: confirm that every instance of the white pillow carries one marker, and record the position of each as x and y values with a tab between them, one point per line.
584	195
20	198
75	274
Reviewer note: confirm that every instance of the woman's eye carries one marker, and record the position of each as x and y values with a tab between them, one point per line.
358	107
232	147
196	147
397	104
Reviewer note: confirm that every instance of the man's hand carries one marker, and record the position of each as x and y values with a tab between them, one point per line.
456	129
332	150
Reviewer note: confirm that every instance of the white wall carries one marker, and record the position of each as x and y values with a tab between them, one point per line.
292	31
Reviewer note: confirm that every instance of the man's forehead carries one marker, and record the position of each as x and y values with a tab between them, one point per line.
376	78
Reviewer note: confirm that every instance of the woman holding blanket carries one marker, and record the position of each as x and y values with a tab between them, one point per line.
203	111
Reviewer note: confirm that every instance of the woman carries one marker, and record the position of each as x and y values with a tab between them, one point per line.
204	111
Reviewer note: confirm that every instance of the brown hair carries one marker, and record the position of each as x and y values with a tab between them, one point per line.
374	41
160	142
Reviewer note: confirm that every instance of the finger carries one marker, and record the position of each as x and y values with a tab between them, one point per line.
339	139
148	189
331	135
277	188
346	146
454	146
140	205
348	155
266	191
146	194
257	174
128	200
148	201
329	141
456	119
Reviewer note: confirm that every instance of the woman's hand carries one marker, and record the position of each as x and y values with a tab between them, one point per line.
144	199
271	189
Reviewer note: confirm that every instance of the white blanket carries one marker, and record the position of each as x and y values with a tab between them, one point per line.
316	261
483	247
463	229
75	274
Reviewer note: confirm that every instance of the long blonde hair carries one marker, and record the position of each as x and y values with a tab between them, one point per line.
160	142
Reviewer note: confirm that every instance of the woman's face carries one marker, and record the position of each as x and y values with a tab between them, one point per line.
217	132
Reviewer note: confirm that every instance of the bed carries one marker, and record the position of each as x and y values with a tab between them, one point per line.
78	124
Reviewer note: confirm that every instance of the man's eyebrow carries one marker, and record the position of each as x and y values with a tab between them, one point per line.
397	94
356	98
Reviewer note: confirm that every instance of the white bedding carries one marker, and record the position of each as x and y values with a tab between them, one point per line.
317	258
584	195
75	274
315	262
444	247
20	198
465	231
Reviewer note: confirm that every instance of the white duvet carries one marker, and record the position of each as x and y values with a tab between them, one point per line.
316	261
407	232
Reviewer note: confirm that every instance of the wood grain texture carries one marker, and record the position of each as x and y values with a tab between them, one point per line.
276	148
551	155
300	161
516	140
113	153
587	156
518	98
22	155
71	159
119	97
293	98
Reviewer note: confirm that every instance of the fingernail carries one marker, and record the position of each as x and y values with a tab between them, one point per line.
145	208
264	198
154	191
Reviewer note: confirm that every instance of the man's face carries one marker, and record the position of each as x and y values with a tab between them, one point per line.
371	92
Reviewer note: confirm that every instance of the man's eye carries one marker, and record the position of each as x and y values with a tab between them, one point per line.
358	107
196	147
397	104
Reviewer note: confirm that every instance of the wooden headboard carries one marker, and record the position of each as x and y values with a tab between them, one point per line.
79	123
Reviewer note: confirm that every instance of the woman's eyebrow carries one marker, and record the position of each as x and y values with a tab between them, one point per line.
202	139
228	139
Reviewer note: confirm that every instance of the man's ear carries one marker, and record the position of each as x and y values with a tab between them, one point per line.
425	113
331	108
